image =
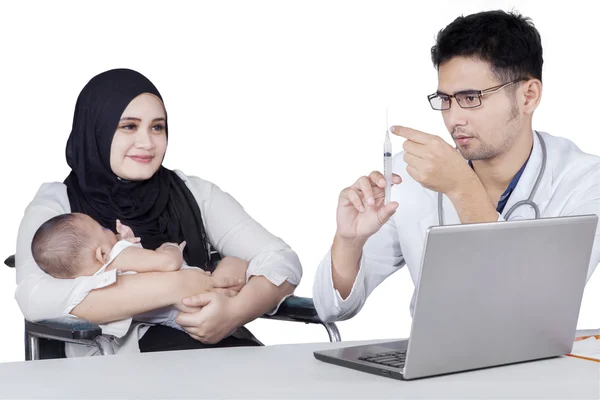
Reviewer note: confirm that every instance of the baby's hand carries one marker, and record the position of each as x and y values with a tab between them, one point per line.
126	233
181	246
230	275
175	251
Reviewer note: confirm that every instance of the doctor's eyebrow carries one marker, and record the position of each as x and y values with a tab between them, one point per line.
439	92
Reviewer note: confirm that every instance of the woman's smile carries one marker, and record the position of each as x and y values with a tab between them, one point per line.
144	159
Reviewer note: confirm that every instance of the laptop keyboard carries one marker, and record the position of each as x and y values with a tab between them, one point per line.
394	359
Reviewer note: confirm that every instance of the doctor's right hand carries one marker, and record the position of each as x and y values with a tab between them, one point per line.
361	210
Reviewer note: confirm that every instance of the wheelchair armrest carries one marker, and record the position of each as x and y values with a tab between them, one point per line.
10	261
294	308
64	328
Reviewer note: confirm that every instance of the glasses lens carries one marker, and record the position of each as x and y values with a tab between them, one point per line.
468	100
440	102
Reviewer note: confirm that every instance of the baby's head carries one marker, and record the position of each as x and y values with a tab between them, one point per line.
72	245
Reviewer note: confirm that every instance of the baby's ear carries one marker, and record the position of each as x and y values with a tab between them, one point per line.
101	255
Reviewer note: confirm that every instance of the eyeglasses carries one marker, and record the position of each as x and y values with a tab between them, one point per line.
466	98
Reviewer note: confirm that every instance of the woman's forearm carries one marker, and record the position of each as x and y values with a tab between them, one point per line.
140	293
258	297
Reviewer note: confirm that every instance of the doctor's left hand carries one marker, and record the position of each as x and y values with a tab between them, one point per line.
434	163
215	321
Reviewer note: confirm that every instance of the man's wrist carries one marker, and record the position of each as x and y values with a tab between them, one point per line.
348	244
345	262
465	188
472	203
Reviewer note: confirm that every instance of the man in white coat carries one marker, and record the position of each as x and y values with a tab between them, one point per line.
489	84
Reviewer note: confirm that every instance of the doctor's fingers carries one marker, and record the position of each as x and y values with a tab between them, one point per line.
377	179
414	161
365	185
352	196
386	212
416	149
415	174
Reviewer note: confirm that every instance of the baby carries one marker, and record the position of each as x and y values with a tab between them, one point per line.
73	245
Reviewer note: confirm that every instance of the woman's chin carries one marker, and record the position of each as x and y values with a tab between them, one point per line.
137	174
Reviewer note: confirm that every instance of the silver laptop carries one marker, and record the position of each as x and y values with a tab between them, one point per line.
489	294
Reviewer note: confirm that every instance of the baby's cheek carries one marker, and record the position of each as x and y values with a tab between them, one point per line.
112	238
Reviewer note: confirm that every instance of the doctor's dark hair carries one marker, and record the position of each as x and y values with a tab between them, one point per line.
509	42
58	245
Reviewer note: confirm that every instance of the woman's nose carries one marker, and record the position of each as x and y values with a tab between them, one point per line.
143	140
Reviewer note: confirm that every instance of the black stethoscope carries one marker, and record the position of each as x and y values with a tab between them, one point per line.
528	201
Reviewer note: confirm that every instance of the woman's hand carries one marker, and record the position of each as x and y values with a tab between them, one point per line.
216	319
195	281
191	281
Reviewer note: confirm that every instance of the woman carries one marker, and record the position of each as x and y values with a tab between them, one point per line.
115	151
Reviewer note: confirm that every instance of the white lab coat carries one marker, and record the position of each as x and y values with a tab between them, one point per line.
570	185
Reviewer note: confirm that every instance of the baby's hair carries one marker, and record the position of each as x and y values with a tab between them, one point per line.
58	244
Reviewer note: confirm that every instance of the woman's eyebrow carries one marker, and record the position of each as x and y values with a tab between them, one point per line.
139	119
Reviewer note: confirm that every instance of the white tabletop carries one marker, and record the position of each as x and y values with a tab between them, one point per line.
284	371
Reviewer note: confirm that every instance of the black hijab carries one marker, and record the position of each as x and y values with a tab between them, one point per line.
160	209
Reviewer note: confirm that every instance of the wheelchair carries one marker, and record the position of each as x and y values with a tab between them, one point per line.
46	339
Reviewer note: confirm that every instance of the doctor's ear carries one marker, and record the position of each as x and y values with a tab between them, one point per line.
101	255
532	95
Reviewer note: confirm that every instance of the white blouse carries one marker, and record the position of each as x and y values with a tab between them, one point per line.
230	230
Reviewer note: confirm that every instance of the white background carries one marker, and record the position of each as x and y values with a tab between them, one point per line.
282	104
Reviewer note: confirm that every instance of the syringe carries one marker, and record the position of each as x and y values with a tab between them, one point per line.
387	165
